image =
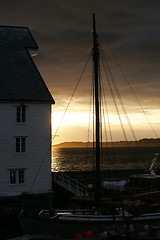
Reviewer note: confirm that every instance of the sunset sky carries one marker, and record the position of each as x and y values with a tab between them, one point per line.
62	30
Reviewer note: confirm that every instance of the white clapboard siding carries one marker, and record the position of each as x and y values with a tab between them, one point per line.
37	131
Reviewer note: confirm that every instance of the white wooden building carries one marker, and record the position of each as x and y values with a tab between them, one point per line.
25	117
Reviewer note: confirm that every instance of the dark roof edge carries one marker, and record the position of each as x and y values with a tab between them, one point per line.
32	39
27	101
43	82
24	28
12	26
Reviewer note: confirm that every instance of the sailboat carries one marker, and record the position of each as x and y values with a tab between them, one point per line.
67	223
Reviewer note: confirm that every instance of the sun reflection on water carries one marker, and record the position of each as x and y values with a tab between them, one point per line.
81	159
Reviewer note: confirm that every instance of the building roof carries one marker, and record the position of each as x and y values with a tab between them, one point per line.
20	79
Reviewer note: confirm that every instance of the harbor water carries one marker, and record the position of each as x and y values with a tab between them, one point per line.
122	158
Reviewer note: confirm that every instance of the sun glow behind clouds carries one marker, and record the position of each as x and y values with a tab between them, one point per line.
74	124
72	117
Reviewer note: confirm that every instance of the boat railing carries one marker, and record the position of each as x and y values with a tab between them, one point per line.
73	211
70	184
46	212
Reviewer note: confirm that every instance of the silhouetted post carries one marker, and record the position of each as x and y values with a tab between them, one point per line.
96	87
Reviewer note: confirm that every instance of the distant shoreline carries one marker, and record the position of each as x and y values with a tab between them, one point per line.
145	142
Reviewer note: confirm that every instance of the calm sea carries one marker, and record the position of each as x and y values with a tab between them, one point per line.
82	159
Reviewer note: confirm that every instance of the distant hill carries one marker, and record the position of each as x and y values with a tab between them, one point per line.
142	143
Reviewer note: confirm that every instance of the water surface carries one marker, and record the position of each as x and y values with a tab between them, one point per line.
82	159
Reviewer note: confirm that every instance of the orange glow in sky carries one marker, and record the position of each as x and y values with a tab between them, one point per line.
75	125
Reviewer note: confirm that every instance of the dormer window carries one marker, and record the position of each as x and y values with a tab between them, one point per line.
21	114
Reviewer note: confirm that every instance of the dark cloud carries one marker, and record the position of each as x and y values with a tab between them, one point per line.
62	30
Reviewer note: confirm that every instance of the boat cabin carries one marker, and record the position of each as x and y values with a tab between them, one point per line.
143	183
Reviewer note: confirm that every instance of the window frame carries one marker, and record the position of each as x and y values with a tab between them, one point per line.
12	179
20	144
20	114
18	178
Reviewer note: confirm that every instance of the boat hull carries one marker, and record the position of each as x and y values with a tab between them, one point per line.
64	228
68	226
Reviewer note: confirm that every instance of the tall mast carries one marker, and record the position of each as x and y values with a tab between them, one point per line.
96	87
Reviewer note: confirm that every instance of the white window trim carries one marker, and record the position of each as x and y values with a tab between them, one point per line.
20	144
15	114
17	176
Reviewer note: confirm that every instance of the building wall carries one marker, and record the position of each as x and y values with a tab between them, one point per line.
36	160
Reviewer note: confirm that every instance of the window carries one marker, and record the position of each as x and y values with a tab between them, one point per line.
21	114
16	176
12	176
20	144
21	176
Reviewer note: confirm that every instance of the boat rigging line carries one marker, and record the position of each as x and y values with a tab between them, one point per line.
109	76
72	96
129	84
41	164
106	109
125	77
